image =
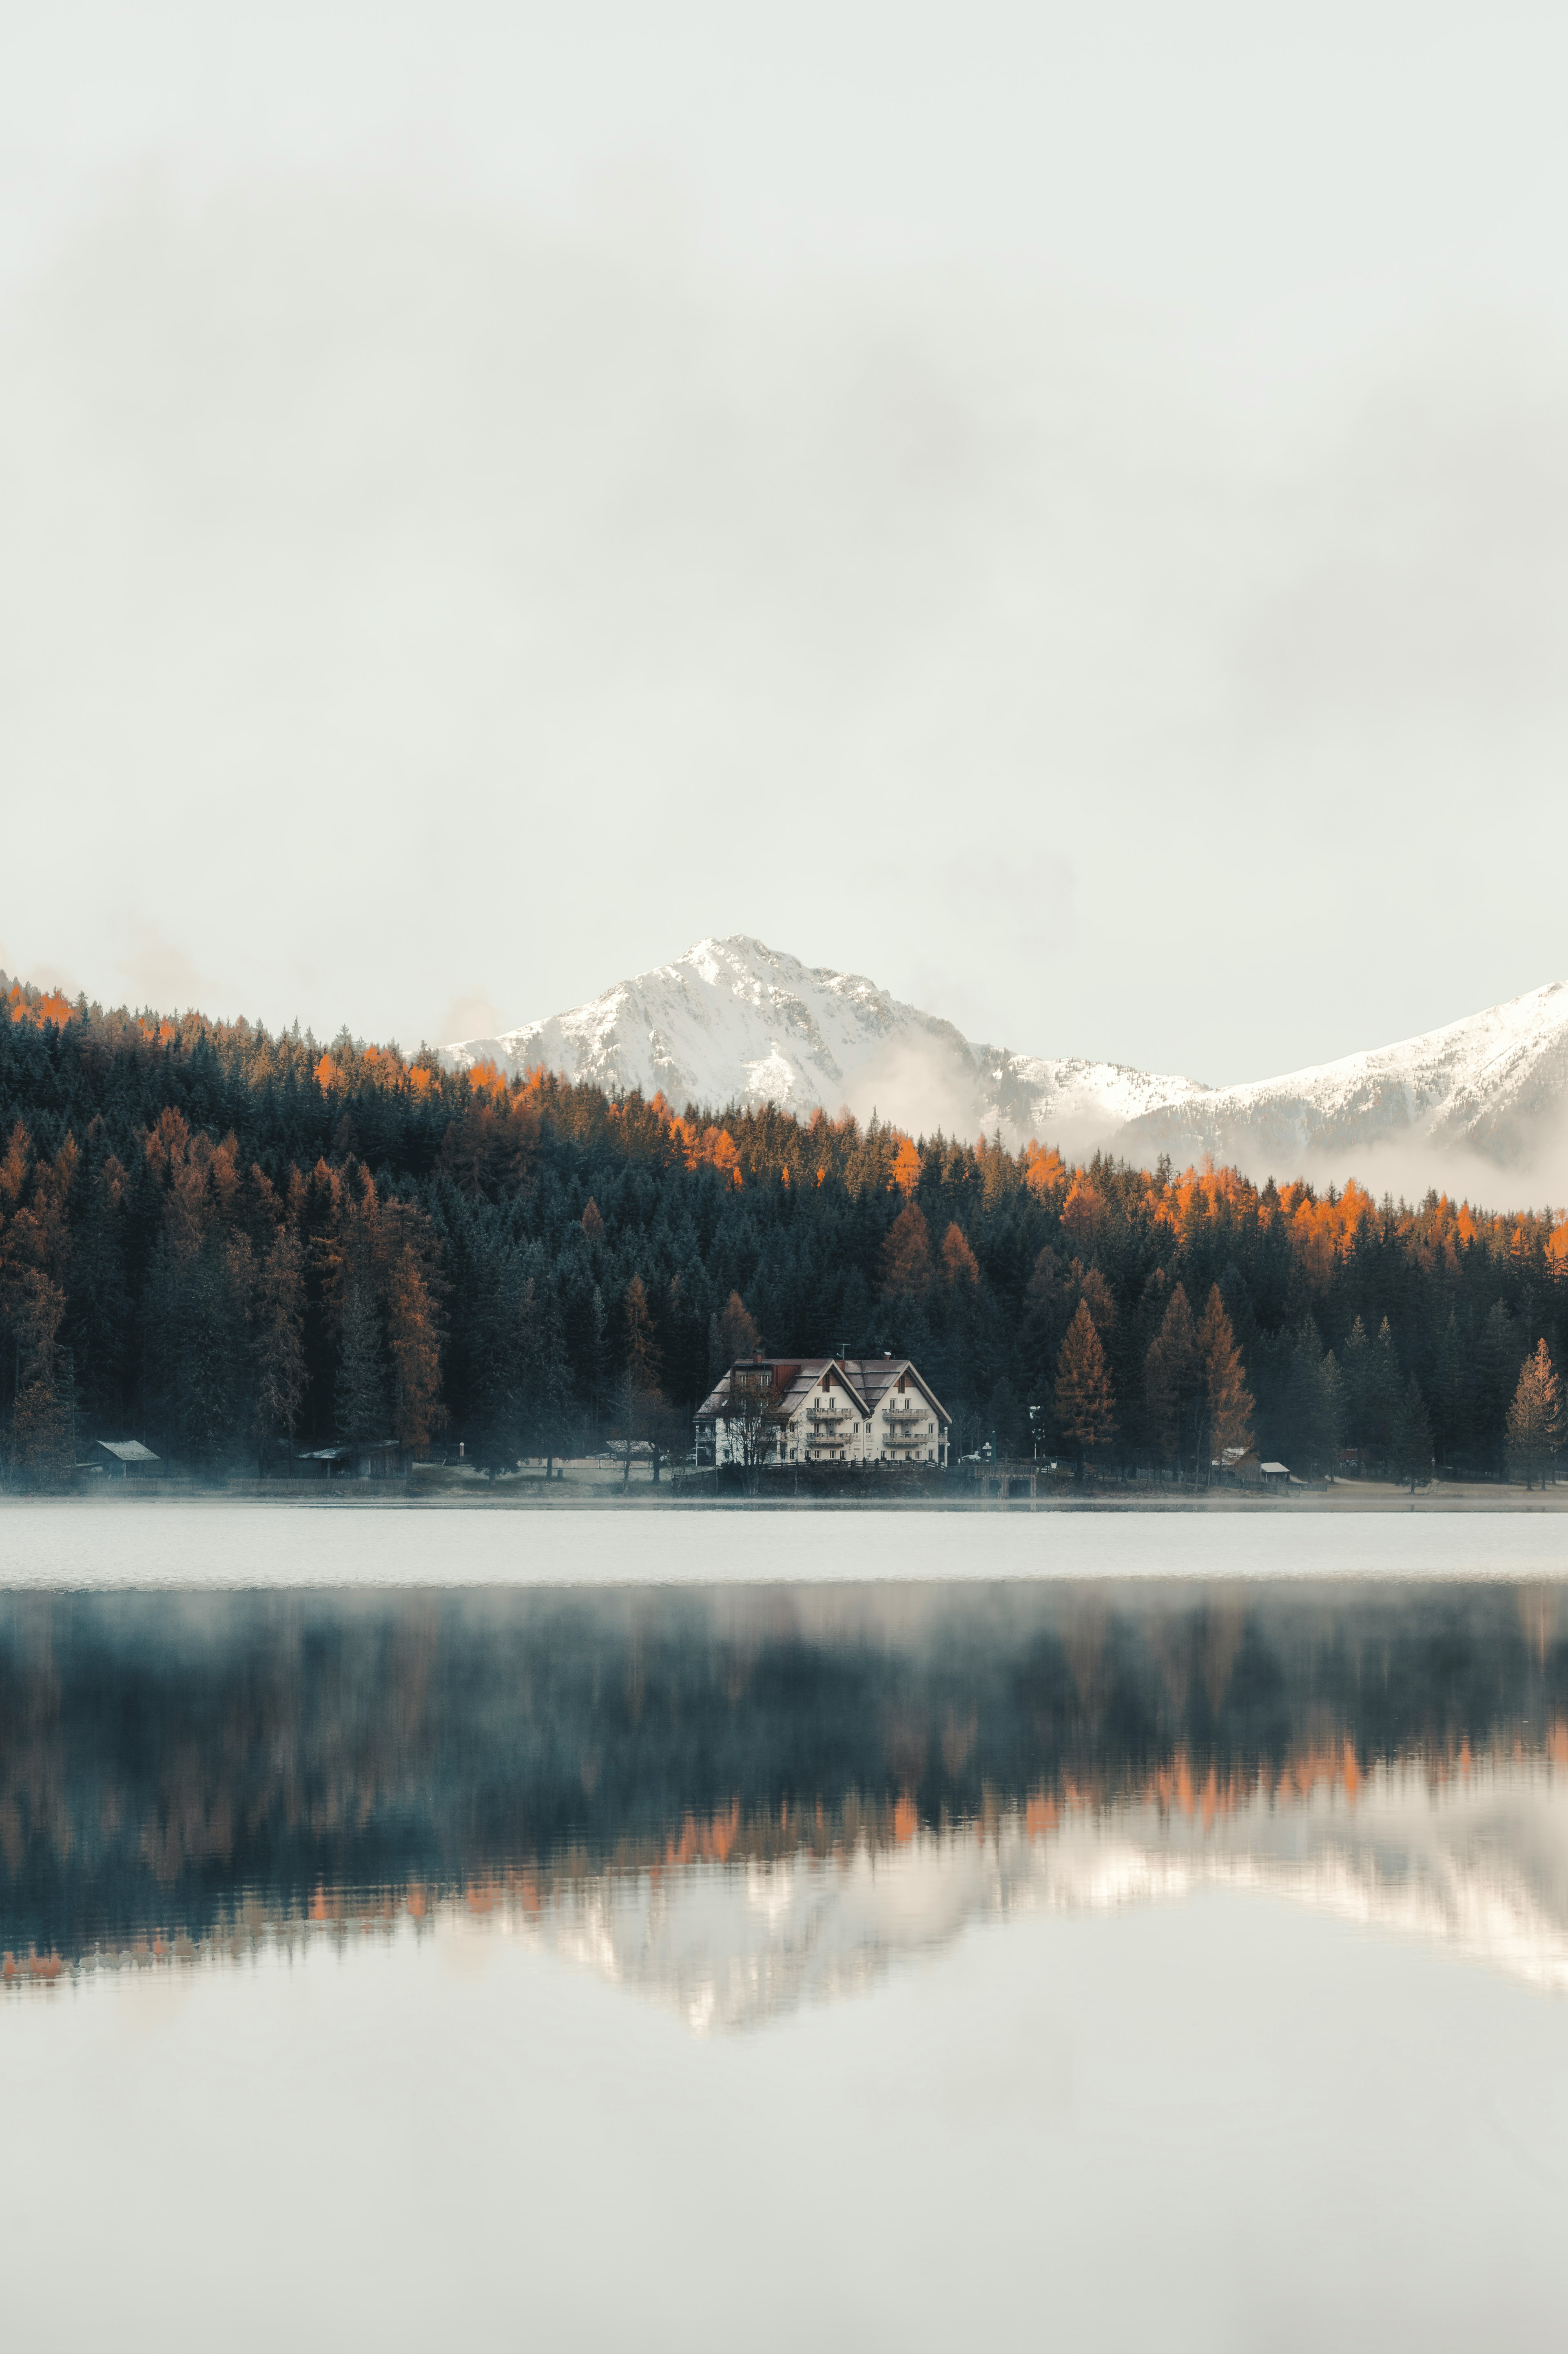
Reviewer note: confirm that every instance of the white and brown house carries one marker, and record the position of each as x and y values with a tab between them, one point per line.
822	1410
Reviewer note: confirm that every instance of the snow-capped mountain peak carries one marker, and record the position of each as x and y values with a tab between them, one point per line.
735	1020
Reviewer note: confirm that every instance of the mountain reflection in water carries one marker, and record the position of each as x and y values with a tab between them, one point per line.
742	1799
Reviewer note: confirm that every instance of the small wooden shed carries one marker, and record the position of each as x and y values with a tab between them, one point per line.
128	1457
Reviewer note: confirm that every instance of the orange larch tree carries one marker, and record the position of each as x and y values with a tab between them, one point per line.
959	1265
1535	1418
1085	1402
906	1255
1228	1398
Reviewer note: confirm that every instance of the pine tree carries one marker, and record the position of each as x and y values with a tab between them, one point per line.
278	1341
552	1381
361	1390
43	1423
906	1255
1332	1394
1045	1319
1228	1398
98	1319
1448	1401
413	1326
491	1377
623	1419
597	1356
1174	1386
1313	1407
1384	1392
1496	1378
1535	1418
1085	1403
685	1328
647	1416
1358	1384
733	1335
641	1347
1097	1297
196	1303
959	1265
1009	1423
195	1315
1412	1436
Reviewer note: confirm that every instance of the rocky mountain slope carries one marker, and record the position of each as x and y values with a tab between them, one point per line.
1495	1083
734	1021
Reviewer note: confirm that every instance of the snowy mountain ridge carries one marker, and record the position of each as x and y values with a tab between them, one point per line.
734	1021
1494	1084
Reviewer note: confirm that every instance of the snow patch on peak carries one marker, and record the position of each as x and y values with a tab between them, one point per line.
733	1021
1461	1102
703	962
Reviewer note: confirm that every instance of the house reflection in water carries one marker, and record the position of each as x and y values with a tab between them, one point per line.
741	1800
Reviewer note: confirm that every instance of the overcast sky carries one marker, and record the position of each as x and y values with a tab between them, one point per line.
1063	510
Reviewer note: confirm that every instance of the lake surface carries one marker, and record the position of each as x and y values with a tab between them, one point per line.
134	1541
665	1951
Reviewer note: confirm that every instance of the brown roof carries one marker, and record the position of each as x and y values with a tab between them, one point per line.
867	1381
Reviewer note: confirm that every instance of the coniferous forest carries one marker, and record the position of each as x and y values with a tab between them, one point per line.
235	1246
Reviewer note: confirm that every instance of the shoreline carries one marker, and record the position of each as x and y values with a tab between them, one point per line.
1341	1502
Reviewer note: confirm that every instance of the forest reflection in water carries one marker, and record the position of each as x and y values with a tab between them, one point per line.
739	1799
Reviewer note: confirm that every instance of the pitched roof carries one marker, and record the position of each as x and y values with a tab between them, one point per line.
794	1378
877	1375
866	1381
128	1450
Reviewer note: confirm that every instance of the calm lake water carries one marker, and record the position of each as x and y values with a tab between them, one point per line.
560	1931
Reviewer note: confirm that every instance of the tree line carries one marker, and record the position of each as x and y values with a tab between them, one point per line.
235	1244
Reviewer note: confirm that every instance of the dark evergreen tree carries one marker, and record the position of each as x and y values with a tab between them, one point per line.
1411	1441
361	1392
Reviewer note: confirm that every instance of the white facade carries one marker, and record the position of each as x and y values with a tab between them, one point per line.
824	1410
